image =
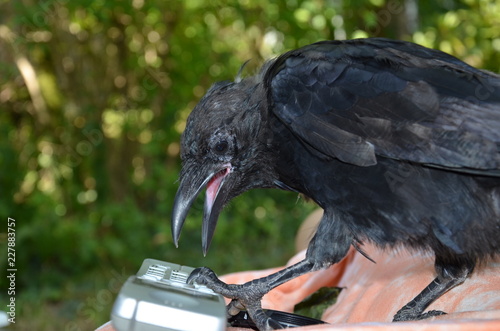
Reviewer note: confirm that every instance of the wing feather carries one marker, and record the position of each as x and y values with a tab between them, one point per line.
363	99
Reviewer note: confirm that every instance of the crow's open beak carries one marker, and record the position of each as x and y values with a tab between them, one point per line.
216	196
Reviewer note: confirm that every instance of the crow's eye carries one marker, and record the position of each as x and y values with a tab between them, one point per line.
221	147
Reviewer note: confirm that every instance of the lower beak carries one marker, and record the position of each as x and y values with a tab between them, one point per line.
189	189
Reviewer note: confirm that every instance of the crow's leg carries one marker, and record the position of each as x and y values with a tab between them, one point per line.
328	246
248	296
449	276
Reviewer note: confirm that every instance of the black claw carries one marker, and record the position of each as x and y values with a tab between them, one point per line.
273	325
432	313
193	276
202	276
255	319
411	315
234	308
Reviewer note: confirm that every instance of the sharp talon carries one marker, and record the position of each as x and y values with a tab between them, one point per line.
232	311
410	315
193	276
202	276
432	313
234	307
264	322
273	325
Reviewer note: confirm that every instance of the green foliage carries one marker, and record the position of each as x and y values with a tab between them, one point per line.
94	96
317	303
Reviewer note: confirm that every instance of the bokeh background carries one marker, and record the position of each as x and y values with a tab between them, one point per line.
93	98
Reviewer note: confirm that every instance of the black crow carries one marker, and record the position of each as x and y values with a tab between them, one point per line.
398	143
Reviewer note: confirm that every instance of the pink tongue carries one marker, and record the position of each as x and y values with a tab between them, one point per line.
213	187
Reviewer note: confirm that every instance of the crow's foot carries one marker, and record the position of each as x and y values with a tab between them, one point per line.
412	314
414	310
246	296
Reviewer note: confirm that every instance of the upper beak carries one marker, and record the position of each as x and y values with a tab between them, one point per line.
190	187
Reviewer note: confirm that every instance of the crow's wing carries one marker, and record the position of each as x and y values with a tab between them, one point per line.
360	99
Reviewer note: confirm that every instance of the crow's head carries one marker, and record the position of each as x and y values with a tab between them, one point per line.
225	148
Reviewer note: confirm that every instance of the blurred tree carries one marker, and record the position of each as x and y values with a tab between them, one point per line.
94	96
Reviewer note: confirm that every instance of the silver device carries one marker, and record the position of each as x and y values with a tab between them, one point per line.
158	298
